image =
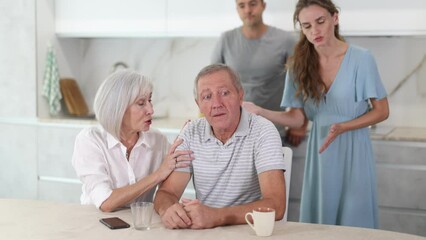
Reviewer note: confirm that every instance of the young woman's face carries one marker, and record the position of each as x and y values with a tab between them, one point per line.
138	116
318	25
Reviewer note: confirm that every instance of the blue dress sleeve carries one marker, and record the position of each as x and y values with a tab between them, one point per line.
289	96
368	83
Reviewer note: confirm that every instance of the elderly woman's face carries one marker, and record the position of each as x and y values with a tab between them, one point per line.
138	116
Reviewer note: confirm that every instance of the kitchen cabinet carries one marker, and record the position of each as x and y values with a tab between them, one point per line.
211	18
382	17
163	18
196	18
401	174
112	18
176	18
57	178
37	158
18	172
143	18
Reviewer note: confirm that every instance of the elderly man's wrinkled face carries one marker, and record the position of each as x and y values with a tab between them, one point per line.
220	101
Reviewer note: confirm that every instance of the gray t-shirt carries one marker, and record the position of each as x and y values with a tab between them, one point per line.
259	62
227	174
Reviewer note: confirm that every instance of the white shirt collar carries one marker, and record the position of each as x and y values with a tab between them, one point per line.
112	141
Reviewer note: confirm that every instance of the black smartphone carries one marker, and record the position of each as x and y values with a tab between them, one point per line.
114	223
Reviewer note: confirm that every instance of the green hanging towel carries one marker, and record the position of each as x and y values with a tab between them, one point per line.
51	88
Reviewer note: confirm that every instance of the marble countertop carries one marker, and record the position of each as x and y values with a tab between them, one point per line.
174	125
414	134
170	125
386	133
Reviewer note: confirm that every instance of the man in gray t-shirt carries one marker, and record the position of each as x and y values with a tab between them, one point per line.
258	52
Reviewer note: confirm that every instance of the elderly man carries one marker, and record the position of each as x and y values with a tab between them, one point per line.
238	163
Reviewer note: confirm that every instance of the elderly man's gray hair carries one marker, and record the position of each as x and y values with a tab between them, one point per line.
216	68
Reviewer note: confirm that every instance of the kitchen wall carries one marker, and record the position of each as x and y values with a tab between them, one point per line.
172	64
17	65
18	174
396	58
35	154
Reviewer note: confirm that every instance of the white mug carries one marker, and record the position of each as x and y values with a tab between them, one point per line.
263	221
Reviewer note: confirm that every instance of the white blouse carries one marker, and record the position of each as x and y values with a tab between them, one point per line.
100	162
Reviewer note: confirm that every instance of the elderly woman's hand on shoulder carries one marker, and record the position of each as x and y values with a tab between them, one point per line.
251	107
175	159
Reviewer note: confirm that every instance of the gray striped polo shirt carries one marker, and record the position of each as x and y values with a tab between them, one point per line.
227	174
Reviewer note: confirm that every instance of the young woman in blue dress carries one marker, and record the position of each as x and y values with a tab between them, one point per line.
337	86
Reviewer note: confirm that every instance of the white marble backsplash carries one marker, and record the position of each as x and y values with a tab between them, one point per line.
396	57
172	64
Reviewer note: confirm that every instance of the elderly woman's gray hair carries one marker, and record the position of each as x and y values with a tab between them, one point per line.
216	68
115	95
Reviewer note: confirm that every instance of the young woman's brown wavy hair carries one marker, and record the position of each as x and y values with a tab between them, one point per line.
304	64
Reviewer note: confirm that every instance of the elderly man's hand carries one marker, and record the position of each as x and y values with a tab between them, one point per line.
202	216
176	217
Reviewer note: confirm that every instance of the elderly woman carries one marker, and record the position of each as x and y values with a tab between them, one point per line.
123	160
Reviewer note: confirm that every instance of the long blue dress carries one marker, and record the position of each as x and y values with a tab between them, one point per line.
339	185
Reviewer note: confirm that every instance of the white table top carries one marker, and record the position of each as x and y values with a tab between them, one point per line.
32	219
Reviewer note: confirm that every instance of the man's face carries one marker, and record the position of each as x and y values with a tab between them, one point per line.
250	11
220	101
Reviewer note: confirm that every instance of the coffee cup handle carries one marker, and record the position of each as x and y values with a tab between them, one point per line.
248	222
